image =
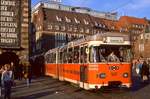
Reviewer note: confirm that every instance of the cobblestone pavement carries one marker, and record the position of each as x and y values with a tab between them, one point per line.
48	88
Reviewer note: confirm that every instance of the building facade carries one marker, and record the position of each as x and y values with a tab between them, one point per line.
135	27
142	43
142	46
54	25
14	31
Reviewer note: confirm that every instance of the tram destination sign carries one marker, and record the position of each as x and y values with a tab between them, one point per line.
115	40
10	25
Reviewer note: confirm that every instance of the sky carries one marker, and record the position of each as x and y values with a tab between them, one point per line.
136	8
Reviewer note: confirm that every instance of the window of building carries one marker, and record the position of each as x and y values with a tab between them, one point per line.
63	36
77	21
75	29
95	31
69	28
121	29
96	24
58	18
57	27
49	27
141	36
81	30
68	20
136	25
86	22
40	27
112	27
98	31
56	36
100	25
142	26
104	25
59	37
141	47
87	30
63	27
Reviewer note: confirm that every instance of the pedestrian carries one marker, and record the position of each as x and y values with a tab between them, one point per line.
7	81
145	71
113	58
148	63
1	70
26	76
138	67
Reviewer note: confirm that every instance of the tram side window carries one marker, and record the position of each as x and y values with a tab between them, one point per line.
60	57
83	55
125	54
64	56
47	58
76	55
52	58
70	55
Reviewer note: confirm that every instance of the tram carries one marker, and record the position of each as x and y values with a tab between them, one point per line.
92	62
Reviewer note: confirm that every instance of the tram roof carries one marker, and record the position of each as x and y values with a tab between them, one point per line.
98	37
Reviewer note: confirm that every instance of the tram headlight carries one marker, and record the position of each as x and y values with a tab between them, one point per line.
102	75
125	75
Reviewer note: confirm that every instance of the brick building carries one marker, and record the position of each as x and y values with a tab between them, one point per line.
14	31
55	24
136	27
142	44
132	25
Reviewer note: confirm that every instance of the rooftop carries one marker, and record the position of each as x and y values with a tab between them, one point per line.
58	6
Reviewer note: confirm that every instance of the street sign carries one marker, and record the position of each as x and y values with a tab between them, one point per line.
10	23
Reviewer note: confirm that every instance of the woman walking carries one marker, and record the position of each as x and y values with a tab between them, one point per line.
7	81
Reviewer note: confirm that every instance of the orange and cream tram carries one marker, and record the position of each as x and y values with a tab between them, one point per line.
92	62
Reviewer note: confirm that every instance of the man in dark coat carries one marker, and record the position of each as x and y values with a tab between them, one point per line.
145	71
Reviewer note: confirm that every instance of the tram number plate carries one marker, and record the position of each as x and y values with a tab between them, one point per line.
113	73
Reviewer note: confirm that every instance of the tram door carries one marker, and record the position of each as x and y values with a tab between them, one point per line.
60	67
83	67
83	73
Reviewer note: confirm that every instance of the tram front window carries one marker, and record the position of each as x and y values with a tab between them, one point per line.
109	54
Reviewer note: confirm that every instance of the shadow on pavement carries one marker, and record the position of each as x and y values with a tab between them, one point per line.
36	95
137	83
